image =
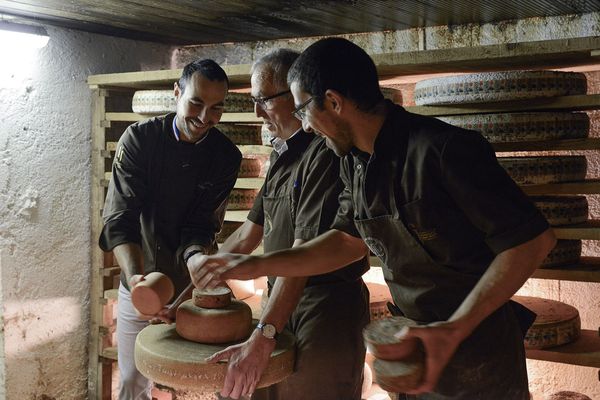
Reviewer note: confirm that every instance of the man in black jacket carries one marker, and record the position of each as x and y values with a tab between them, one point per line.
171	179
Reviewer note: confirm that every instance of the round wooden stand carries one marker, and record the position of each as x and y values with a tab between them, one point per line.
164	357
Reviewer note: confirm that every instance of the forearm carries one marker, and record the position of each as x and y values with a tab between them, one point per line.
325	253
506	274
244	240
130	259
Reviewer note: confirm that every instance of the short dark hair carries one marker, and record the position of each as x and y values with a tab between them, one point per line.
278	62
338	64
208	68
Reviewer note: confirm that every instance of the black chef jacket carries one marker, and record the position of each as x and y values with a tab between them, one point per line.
166	195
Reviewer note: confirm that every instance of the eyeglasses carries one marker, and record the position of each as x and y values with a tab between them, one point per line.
265	102
300	111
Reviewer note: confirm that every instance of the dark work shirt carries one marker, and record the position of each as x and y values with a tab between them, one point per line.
167	195
448	187
309	173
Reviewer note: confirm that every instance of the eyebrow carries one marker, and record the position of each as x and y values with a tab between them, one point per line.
198	99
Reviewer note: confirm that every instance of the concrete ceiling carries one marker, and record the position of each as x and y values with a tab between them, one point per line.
182	22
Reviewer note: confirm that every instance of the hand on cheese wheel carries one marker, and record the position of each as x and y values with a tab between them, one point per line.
150	294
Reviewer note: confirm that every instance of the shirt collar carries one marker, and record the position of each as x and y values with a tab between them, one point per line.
281	146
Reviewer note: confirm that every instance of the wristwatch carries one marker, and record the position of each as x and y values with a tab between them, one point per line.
268	330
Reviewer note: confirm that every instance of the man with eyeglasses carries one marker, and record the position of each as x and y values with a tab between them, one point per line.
297	202
456	235
166	200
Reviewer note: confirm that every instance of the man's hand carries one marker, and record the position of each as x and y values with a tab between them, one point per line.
440	341
211	271
165	315
247	361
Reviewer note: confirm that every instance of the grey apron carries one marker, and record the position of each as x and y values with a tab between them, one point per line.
490	363
322	371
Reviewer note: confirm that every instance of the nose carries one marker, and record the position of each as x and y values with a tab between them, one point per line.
203	116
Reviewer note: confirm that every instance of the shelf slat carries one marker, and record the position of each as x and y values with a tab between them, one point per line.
585	351
573	103
109	354
550	145
249	183
134	117
590	186
236	215
589	230
587	270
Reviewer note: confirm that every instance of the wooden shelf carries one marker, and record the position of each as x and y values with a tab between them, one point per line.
249	183
591	186
585	351
111	294
109	354
587	270
550	145
236	215
572	103
589	230
248	117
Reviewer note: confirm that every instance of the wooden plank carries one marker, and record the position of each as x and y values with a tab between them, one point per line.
227	117
589	230
585	351
109	354
111	294
590	186
238	75
588	270
550	145
573	103
236	215
249	183
541	54
244	148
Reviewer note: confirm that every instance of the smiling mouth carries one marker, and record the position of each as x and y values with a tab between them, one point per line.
198	125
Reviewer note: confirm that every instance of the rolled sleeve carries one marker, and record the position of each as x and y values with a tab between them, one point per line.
256	214
486	194
344	219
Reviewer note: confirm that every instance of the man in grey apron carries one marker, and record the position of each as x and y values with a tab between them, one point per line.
297	202
457	237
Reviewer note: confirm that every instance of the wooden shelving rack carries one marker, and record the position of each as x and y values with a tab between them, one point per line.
111	95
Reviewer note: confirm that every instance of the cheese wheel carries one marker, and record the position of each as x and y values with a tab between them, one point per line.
265	136
253	166
218	297
391	94
217	325
542	170
567	395
556	323
153	293
399	376
228	228
562	210
238	102
241	134
380	338
520	127
566	252
166	358
153	102
242	199
498	86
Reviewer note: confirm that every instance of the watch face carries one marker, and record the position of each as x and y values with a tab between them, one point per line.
269	331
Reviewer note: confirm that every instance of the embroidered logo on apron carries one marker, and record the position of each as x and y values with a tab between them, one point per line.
268	225
376	246
424	235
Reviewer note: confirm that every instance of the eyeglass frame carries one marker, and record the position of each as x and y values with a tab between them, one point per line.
262	101
300	111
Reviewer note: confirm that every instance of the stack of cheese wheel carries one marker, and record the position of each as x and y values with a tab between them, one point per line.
556	323
566	252
542	170
176	356
241	134
524	127
242	199
153	102
498	86
379	297
228	228
562	210
253	166
238	102
398	364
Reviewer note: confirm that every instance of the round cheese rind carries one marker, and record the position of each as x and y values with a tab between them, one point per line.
542	170
242	199
153	102
562	210
168	359
566	252
498	86
556	323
